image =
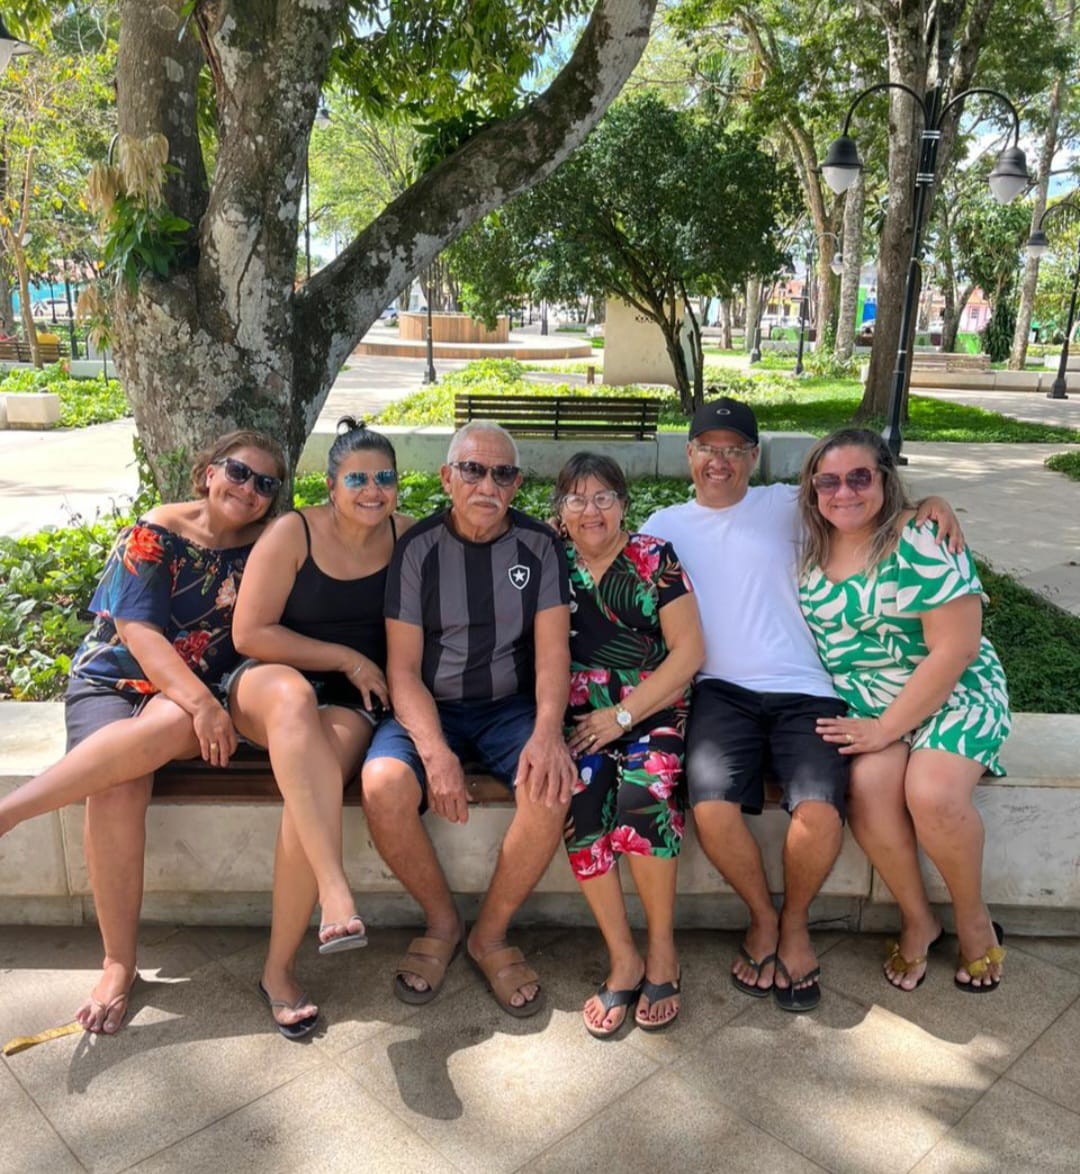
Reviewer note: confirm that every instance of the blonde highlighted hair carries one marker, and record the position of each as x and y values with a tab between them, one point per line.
226	445
817	531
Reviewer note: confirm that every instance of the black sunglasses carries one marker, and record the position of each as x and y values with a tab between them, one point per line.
239	474
472	473
857	480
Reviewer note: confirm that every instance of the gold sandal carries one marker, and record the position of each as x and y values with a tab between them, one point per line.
978	967
896	962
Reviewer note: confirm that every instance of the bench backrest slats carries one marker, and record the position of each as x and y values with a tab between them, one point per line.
563	416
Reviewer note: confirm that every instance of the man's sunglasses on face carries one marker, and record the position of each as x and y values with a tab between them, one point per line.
473	472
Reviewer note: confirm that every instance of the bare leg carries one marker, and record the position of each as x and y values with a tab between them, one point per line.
117	753
295	887
939	789
811	847
604	894
115	839
882	826
655	878
734	853
276	707
526	851
391	795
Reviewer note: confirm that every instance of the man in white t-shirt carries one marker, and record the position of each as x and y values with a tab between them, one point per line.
758	696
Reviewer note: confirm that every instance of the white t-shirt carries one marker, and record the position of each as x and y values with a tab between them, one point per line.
743	562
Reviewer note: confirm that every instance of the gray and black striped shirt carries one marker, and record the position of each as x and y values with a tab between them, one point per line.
476	603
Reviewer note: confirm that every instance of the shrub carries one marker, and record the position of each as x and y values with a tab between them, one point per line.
1065	462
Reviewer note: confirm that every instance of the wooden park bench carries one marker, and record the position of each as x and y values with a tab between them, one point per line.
15	350
564	417
948	361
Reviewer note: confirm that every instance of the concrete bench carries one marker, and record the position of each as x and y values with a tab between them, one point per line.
30	409
209	858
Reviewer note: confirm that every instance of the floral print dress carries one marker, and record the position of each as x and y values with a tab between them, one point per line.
186	590
629	794
869	636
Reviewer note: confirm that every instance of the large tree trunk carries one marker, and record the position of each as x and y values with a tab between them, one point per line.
753	312
846	327
923	49
226	342
1018	354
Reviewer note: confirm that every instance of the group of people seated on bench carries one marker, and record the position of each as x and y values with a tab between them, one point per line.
828	635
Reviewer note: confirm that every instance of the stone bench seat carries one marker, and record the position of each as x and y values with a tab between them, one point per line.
211	836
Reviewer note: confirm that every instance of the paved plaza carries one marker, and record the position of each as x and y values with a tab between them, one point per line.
934	1082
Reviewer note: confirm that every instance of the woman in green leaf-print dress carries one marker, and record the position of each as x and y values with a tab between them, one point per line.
897	618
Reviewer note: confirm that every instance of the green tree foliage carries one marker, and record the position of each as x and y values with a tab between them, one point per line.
657	206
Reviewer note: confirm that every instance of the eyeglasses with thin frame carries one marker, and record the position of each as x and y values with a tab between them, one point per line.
857	480
239	474
727	452
383	478
577	503
473	472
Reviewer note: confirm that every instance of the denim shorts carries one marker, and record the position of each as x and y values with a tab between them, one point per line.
735	735
487	735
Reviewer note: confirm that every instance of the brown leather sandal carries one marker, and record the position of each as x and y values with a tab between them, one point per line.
506	972
429	959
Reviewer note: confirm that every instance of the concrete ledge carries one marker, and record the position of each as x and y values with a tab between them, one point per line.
424	449
212	863
31	409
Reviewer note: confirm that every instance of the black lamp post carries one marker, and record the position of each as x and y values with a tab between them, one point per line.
836	265
842	165
429	374
1037	245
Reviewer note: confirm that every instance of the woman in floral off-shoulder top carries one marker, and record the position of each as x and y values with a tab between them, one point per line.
144	684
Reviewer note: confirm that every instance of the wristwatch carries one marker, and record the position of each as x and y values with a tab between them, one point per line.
622	716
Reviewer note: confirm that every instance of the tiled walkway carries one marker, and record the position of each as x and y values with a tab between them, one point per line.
872	1081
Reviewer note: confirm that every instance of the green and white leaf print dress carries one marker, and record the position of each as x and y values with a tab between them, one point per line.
870	638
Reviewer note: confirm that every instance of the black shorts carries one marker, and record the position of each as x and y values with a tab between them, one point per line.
735	736
89	706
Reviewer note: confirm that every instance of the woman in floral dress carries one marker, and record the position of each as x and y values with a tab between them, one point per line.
635	644
144	684
897	618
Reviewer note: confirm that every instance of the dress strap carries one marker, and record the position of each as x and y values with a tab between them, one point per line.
307	531
393	530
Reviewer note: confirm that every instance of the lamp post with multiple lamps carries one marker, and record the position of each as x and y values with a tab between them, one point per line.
842	165
836	265
1037	245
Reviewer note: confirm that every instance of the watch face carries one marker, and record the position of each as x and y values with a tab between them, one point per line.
623	718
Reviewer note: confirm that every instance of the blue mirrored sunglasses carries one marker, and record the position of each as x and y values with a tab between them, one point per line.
384	479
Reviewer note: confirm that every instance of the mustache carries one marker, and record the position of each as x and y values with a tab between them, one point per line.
485	499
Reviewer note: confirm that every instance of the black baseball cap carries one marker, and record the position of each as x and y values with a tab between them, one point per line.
725	413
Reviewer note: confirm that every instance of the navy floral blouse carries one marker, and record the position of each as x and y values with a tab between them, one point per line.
186	590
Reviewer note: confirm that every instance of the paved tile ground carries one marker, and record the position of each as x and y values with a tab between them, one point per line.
872	1081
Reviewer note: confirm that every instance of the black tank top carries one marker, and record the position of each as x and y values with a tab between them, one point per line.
339	611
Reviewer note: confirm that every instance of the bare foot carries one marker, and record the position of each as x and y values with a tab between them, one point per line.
626	974
284	987
795	951
105	1009
661	967
977	940
760	941
479	948
352	926
906	965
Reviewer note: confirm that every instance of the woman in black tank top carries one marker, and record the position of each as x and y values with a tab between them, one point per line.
310	619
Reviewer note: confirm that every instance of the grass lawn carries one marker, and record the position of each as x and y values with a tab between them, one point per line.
1067	463
816	404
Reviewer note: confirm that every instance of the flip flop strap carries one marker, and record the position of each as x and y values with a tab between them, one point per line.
610	999
898	962
809	976
655	991
977	967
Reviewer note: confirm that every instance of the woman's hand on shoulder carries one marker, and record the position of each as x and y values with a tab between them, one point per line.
938	510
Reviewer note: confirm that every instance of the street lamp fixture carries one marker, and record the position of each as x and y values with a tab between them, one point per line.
1036	246
804	300
842	165
11	47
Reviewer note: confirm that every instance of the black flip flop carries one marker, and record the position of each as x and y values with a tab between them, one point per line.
751	988
805	998
654	992
609	1000
299	1030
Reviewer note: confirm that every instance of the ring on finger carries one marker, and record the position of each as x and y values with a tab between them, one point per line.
850	738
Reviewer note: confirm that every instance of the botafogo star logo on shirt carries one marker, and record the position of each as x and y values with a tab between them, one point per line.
519	576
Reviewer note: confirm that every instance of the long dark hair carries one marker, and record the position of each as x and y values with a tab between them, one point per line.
895	502
356	437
